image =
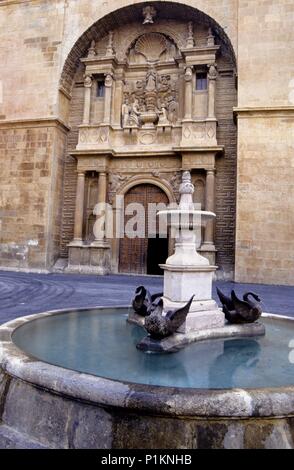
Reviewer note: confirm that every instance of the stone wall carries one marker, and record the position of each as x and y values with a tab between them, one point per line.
265	189
265	224
31	162
36	38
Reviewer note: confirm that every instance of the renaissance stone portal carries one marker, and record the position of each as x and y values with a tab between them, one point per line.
148	94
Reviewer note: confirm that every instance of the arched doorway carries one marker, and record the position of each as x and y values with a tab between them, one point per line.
142	255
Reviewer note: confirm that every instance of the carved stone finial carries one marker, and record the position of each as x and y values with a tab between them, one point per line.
149	13
186	186
92	50
186	191
109	49
190	37
210	38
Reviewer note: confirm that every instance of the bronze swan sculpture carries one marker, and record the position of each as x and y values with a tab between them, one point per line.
159	326
240	311
142	300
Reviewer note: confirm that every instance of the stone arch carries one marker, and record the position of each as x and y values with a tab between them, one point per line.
143	253
133	13
137	180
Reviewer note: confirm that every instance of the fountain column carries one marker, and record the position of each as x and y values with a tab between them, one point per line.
79	209
186	272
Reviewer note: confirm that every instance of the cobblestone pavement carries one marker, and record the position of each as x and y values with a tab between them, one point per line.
27	293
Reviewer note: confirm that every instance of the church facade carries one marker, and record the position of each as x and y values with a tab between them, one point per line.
108	102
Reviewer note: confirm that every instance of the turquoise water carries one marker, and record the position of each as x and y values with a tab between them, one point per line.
102	343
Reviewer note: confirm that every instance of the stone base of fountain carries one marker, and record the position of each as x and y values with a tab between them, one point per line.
179	283
180	339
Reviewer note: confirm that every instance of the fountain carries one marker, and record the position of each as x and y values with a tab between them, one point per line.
186	274
75	378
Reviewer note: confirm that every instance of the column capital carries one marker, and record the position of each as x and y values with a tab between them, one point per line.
88	80
108	80
212	72
210	171
188	73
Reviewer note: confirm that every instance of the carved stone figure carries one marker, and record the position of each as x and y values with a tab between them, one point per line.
149	13
150	80
176	180
164	84
125	113
240	311
115	179
134	119
173	109
163	118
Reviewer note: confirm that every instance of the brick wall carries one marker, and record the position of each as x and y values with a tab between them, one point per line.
70	176
226	98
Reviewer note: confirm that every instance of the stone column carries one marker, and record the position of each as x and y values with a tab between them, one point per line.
188	92
101	200
118	101
212	74
209	206
87	98
79	210
107	98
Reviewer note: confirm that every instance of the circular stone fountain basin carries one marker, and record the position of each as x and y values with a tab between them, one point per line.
75	379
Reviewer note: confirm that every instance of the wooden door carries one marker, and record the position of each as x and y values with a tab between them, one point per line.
133	251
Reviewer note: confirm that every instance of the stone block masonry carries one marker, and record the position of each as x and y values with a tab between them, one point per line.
31	163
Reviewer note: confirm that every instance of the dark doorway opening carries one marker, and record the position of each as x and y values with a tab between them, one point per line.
157	253
142	255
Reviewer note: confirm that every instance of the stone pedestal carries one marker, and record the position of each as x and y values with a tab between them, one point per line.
180	283
89	259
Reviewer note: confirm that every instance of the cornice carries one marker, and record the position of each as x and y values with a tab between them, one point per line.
263	111
12	2
36	122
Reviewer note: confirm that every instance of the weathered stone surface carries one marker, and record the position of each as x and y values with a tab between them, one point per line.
12	439
55	421
144	432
